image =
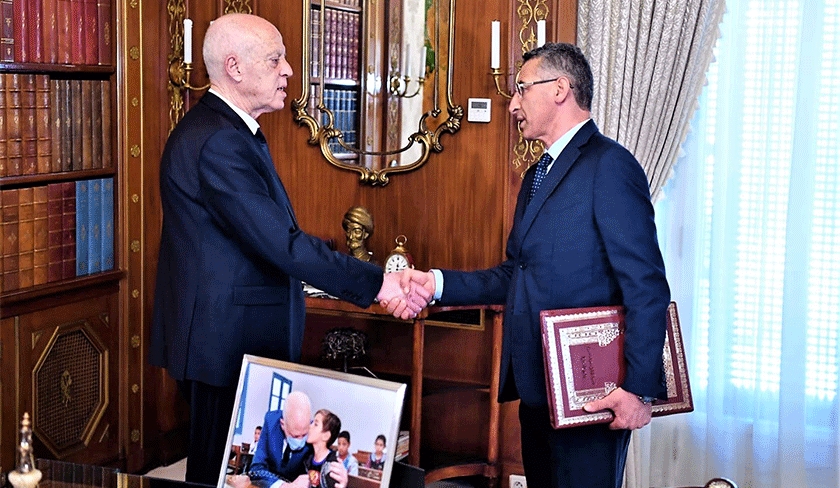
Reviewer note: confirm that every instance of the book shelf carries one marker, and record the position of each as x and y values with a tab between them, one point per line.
420	386
59	272
335	68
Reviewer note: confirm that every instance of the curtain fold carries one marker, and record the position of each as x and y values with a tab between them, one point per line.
749	226
649	60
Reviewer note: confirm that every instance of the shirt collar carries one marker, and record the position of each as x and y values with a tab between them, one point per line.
561	143
251	122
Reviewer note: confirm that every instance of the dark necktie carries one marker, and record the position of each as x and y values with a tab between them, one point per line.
263	144
287	453
539	175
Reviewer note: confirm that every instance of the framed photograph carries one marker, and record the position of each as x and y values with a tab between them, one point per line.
369	409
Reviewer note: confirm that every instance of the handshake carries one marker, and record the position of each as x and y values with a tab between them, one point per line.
405	293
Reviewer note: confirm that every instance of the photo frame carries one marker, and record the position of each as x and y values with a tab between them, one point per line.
367	408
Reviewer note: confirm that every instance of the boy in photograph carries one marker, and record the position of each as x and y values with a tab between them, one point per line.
323	432
350	462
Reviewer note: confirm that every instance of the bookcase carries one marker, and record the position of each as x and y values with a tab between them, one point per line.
335	36
59	273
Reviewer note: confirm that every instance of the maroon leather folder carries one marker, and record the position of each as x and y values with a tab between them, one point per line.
583	351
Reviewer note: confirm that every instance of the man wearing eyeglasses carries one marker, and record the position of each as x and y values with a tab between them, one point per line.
583	235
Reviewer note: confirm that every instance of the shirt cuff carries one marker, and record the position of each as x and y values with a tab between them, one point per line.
438	283
277	484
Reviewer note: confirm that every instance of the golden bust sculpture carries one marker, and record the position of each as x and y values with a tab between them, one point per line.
358	226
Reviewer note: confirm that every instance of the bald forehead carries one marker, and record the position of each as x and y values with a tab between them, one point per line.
242	34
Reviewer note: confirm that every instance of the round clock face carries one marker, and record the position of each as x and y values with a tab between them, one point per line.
396	262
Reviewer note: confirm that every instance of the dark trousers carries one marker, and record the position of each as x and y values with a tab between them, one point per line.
591	456
211	408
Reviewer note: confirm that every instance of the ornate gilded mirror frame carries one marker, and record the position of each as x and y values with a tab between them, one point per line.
365	155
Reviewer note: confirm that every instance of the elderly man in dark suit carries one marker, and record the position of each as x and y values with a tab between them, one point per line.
232	256
583	235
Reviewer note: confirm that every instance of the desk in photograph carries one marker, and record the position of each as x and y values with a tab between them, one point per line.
489	467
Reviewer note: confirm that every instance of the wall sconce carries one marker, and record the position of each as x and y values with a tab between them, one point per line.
398	85
495	54
180	68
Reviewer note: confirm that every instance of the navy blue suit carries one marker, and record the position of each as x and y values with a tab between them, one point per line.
267	466
231	262
586	239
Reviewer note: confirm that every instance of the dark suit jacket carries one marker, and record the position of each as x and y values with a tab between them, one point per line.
232	256
586	239
267	466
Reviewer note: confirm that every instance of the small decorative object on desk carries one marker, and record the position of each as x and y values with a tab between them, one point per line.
399	259
358	227
25	475
345	343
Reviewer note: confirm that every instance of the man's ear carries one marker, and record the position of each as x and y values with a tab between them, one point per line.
233	69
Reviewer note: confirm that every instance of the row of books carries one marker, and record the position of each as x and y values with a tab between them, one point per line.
340	44
56	232
57	31
343	103
351	3
53	125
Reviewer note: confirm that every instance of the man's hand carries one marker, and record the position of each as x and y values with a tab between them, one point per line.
339	473
630	412
402	298
301	481
238	480
425	279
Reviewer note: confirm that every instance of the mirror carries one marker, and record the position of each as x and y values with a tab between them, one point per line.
377	94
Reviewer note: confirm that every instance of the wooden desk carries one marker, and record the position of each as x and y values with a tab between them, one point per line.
490	468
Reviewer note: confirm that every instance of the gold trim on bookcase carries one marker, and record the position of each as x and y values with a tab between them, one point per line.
529	12
238	6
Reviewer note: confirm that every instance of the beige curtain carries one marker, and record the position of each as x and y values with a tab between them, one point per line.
649	59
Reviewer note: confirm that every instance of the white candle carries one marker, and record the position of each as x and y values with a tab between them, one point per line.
188	24
540	32
407	60
495	45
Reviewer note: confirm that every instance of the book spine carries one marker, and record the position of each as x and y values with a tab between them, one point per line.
85	123
103	10
10	240
41	226
107	148
107	224
75	119
26	238
43	123
20	27
94	235
65	32
35	18
56	106
77	31
49	31
96	124
82	223
91	22
7	31
68	230
54	232
29	131
315	39
67	125
4	157
14	138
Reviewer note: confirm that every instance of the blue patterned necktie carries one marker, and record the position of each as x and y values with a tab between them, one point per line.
539	175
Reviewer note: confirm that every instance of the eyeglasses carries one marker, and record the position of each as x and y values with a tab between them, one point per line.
520	86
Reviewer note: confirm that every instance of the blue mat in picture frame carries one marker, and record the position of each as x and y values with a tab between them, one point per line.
367	408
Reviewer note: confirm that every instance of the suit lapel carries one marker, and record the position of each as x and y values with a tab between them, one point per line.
220	106
559	169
